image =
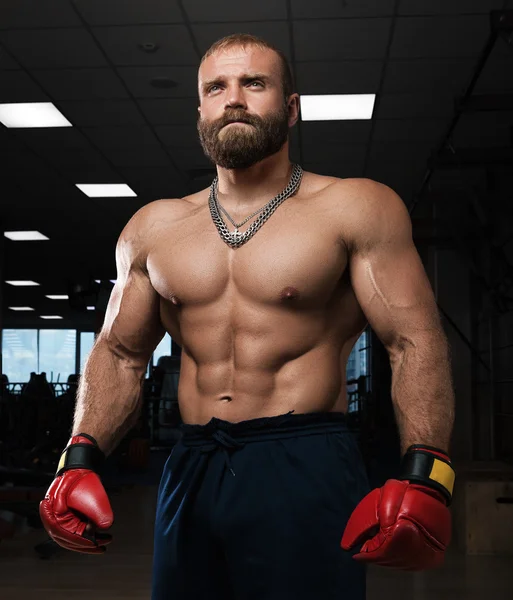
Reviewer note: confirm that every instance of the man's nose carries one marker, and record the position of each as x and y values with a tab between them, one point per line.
235	98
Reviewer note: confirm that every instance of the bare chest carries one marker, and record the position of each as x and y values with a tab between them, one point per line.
295	258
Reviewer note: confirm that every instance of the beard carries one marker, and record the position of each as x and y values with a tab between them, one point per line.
242	146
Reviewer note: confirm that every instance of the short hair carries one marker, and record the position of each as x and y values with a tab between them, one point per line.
246	39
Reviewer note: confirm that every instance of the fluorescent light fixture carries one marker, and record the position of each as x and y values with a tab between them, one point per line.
20	308
22	283
32	114
51	317
24	236
106	190
113	281
345	107
58	297
91	308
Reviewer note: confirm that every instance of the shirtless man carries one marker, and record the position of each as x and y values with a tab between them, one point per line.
255	497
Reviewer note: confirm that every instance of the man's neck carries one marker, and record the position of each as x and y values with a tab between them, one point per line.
248	188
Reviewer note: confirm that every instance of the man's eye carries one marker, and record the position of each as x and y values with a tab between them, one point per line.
257	82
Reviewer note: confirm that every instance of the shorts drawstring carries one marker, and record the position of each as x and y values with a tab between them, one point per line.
221	439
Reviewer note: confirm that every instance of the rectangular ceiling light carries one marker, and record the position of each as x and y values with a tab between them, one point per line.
22	283
24	236
106	190
32	114
58	297
51	317
20	308
344	107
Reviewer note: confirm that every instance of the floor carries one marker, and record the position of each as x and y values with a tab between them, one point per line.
125	570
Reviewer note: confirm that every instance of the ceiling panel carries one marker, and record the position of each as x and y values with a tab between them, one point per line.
316	133
124	209
121	12
404	177
497	74
234	10
446	181
484	129
335	9
44	139
433	37
341	77
99	170
409	130
56	48
17	14
18	86
178	136
275	32
416	105
343	152
156	182
401	152
423	75
81	84
122	137
138	81
443	7
100	114
172	111
191	157
6	60
56	210
123	45
80	163
153	156
15	153
341	39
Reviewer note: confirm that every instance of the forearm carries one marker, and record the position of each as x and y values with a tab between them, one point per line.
422	391
109	396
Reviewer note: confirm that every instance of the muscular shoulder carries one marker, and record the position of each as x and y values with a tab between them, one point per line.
144	226
371	213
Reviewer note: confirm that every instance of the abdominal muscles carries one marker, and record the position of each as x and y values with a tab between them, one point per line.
260	361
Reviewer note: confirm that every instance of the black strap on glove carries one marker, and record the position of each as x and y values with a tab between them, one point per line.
81	456
421	465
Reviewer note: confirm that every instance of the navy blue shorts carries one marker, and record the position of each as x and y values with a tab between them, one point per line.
256	510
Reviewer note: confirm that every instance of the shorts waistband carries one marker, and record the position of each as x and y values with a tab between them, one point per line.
263	428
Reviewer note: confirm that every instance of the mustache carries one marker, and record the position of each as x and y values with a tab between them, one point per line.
232	117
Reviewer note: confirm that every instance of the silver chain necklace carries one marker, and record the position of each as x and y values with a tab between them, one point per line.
236	239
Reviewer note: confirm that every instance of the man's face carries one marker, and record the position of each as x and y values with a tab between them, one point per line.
244	86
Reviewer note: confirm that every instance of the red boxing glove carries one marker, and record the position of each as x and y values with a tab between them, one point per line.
406	524
76	503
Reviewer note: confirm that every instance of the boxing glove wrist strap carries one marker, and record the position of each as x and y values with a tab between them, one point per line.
429	466
81	456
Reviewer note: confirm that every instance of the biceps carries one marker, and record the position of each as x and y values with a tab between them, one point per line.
394	292
132	321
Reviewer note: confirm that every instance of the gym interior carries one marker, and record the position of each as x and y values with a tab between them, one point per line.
119	81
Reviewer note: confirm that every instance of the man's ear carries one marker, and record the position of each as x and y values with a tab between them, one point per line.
294	109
